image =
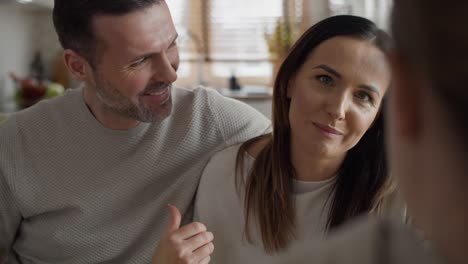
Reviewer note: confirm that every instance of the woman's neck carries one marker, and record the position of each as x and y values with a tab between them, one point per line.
308	167
313	166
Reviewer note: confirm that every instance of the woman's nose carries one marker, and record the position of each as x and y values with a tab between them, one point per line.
336	106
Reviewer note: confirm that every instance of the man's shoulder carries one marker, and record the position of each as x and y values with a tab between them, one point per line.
207	109
209	102
42	118
208	97
197	92
46	109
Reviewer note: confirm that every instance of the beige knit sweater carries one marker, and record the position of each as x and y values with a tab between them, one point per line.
73	191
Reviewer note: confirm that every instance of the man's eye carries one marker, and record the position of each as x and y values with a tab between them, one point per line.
325	79
139	62
173	45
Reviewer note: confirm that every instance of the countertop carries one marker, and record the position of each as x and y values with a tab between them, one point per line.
249	93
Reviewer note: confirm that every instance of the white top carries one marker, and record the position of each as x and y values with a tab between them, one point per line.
73	191
221	208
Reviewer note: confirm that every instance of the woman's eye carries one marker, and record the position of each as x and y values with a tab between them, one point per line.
325	79
363	96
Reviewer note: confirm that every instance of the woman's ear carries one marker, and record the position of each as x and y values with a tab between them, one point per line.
77	65
291	87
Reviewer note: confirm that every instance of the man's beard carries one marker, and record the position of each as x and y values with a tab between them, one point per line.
115	102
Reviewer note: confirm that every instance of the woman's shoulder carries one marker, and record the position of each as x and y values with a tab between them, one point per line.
257	145
229	154
393	207
222	162
226	155
217	180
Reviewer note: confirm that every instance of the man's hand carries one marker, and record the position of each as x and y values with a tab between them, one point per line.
188	244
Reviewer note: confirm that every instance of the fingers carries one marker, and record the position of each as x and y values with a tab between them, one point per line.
202	254
174	220
190	243
198	241
205	260
189	231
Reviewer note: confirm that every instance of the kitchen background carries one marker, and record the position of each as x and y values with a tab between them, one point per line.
232	46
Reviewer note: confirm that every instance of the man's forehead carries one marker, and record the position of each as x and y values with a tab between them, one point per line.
151	26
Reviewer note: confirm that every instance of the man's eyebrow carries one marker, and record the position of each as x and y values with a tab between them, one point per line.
151	53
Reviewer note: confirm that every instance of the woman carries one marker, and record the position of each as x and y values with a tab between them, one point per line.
324	162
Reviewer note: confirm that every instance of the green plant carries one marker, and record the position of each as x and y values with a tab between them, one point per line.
281	40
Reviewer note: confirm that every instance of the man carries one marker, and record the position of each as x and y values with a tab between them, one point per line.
428	131
87	177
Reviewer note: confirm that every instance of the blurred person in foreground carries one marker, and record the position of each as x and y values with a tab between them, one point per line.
427	129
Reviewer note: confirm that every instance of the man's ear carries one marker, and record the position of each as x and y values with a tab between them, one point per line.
405	98
77	65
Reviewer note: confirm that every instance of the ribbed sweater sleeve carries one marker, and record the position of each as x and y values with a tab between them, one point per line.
89	194
10	216
227	113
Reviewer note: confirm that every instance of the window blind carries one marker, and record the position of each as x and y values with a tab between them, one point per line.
187	17
238	29
375	10
226	30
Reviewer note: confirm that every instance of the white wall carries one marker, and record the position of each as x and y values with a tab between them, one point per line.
16	44
314	11
24	29
46	39
375	10
16	39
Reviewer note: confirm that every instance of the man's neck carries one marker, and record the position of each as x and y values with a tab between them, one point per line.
105	117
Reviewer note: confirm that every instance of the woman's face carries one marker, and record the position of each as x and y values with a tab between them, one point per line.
336	95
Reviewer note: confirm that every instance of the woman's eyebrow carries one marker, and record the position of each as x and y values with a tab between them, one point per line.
328	69
370	88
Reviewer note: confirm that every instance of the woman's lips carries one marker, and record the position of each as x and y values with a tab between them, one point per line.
327	130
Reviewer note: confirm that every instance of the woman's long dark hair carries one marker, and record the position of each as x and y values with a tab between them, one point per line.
269	198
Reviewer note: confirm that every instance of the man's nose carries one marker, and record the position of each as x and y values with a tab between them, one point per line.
164	70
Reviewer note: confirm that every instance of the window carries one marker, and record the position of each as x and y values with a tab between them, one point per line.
340	7
221	37
375	10
238	28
